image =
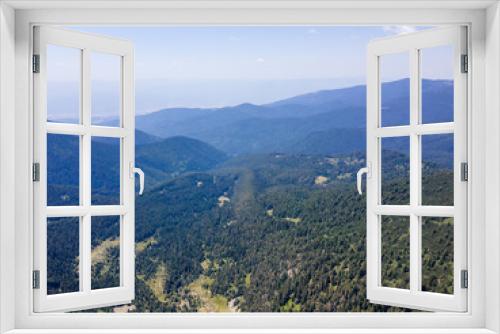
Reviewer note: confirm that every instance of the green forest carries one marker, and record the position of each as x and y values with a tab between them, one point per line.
254	208
262	233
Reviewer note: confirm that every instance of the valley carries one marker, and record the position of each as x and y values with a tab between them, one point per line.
254	208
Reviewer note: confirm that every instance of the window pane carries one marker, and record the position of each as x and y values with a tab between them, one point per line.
395	168
437	254
63	249
63	84
106	89
63	165
395	89
437	169
105	171
437	84
396	252
105	252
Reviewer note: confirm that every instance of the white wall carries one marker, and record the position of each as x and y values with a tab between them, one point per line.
493	167
490	206
6	167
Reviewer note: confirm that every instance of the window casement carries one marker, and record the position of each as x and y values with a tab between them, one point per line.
480	315
83	208
414	133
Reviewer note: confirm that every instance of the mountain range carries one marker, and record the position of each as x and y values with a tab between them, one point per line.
290	124
179	140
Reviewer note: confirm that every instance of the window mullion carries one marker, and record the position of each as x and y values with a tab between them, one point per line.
85	172
415	229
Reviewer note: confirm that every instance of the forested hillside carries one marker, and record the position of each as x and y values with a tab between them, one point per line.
262	233
269	228
161	160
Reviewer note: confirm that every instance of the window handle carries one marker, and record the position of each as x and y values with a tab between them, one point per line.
361	171
138	171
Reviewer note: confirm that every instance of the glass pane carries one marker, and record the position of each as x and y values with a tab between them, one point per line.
105	252
395	168
395	89
396	252
63	165
437	169
437	255
105	171
437	84
63	84
106	89
63	249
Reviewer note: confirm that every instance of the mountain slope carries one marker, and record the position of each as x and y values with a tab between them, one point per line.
280	125
170	157
348	97
437	149
331	142
142	138
160	161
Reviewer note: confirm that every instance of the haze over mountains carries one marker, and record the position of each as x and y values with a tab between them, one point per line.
288	125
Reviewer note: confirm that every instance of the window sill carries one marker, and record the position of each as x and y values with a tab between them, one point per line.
253	331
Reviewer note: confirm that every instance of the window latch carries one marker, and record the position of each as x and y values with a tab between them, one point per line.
138	171
365	170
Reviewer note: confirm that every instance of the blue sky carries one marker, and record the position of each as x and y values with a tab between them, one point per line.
247	53
219	66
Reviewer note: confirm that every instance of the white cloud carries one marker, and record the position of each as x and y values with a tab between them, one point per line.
399	30
312	31
260	60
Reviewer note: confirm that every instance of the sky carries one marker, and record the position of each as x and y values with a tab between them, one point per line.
220	66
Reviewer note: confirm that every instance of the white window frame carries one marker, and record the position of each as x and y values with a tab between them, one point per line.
16	212
86	297
411	45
